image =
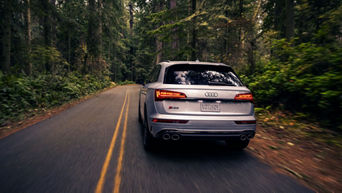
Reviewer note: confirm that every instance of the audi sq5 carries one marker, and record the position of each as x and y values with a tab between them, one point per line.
199	100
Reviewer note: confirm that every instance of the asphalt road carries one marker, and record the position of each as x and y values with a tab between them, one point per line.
78	150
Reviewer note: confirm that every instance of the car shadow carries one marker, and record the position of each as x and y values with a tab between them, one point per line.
216	166
190	148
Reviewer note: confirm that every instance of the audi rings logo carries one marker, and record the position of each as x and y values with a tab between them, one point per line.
211	94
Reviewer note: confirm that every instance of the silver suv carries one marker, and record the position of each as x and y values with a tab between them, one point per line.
185	99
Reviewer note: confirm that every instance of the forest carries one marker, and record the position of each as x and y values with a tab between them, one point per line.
289	53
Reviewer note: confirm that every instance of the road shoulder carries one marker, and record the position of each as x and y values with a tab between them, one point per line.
43	114
300	149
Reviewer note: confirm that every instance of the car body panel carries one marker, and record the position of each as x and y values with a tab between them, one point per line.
200	123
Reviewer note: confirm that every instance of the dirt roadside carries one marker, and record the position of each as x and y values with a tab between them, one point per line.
302	150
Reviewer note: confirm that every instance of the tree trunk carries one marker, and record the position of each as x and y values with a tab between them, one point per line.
99	31
159	44
252	39
93	25
289	19
240	17
174	44
250	56
188	28
28	37
46	29
46	23
225	50
131	34
279	16
115	66
69	46
159	48
6	38
194	33
53	24
130	18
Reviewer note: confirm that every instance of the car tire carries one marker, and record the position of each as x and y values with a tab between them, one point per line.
237	144
148	139
139	115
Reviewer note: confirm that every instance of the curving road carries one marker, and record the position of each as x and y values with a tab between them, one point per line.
96	146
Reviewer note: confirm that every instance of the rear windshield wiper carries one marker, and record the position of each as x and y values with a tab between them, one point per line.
219	83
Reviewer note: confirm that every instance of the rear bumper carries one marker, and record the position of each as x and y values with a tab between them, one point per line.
203	126
200	134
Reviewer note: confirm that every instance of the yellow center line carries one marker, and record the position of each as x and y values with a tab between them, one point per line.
100	183
117	179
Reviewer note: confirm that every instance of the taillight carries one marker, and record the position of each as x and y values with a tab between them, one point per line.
244	97
245	122
166	94
169	121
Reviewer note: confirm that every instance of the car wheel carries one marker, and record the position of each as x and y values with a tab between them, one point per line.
139	115
148	139
237	144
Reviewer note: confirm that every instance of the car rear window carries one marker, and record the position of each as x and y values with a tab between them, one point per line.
201	75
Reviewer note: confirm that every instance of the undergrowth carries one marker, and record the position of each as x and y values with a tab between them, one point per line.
22	95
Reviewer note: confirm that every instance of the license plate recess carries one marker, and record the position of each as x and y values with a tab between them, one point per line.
210	107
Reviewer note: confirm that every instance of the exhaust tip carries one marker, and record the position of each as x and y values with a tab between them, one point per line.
166	136
175	137
243	137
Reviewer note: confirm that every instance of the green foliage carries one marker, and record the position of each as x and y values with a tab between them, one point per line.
126	82
306	77
64	36
211	31
47	58
21	94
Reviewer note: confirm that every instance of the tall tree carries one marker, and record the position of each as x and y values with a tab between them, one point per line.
289	12
6	38
159	43
131	35
93	30
174	43
194	54
100	5
28	37
46	22
251	37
